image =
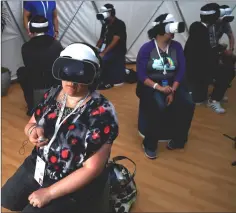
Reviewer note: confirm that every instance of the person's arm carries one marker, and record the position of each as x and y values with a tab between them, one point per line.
99	43
228	30
181	66
141	65
83	176
26	15
114	42
55	23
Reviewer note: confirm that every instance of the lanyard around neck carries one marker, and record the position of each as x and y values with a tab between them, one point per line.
161	58
44	9
59	122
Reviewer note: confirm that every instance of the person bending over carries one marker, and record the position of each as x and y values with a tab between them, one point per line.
203	61
73	129
222	26
161	68
38	55
112	45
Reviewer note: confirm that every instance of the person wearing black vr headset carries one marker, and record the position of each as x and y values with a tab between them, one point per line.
202	61
38	55
73	129
160	69
112	46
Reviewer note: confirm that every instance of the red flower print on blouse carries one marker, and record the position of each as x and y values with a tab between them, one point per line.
65	153
38	111
95	136
71	127
74	141
107	129
52	115
45	95
53	159
98	111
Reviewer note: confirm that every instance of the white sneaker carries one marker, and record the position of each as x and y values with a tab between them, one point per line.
118	85
199	103
215	105
225	99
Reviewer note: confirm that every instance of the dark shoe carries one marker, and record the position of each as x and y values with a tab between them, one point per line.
150	153
171	145
105	86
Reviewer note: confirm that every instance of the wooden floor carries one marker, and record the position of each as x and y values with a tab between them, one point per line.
200	179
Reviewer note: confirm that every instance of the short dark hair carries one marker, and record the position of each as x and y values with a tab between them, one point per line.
38	19
213	17
110	6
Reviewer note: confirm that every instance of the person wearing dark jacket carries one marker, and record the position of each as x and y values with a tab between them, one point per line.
202	61
38	54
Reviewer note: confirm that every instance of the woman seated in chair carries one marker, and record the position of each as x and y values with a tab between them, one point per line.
72	129
161	68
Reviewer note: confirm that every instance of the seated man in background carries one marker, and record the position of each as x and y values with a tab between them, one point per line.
216	31
112	45
38	55
43	8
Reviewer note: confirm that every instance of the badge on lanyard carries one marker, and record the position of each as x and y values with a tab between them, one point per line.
103	47
39	170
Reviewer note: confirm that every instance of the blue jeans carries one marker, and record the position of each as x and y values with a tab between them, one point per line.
179	115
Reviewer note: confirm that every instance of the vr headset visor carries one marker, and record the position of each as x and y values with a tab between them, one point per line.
67	69
104	13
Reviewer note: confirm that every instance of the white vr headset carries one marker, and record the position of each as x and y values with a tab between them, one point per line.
172	27
104	13
226	14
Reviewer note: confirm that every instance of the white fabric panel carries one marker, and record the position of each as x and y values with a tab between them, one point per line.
12	40
66	11
85	27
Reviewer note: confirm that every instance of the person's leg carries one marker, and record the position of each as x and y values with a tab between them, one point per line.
222	81
199	91
153	108
23	77
15	192
118	71
183	110
63	204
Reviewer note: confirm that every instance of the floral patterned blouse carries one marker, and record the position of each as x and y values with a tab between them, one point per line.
75	142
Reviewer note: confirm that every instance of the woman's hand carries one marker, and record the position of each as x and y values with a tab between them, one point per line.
40	198
36	134
169	99
166	89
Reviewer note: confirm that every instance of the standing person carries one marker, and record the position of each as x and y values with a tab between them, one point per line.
112	45
160	69
38	55
43	8
73	130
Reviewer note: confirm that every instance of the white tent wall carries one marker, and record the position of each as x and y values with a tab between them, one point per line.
77	22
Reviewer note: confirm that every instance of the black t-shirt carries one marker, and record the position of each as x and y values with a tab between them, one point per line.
39	54
117	28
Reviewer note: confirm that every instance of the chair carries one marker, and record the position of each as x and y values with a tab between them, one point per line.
165	132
